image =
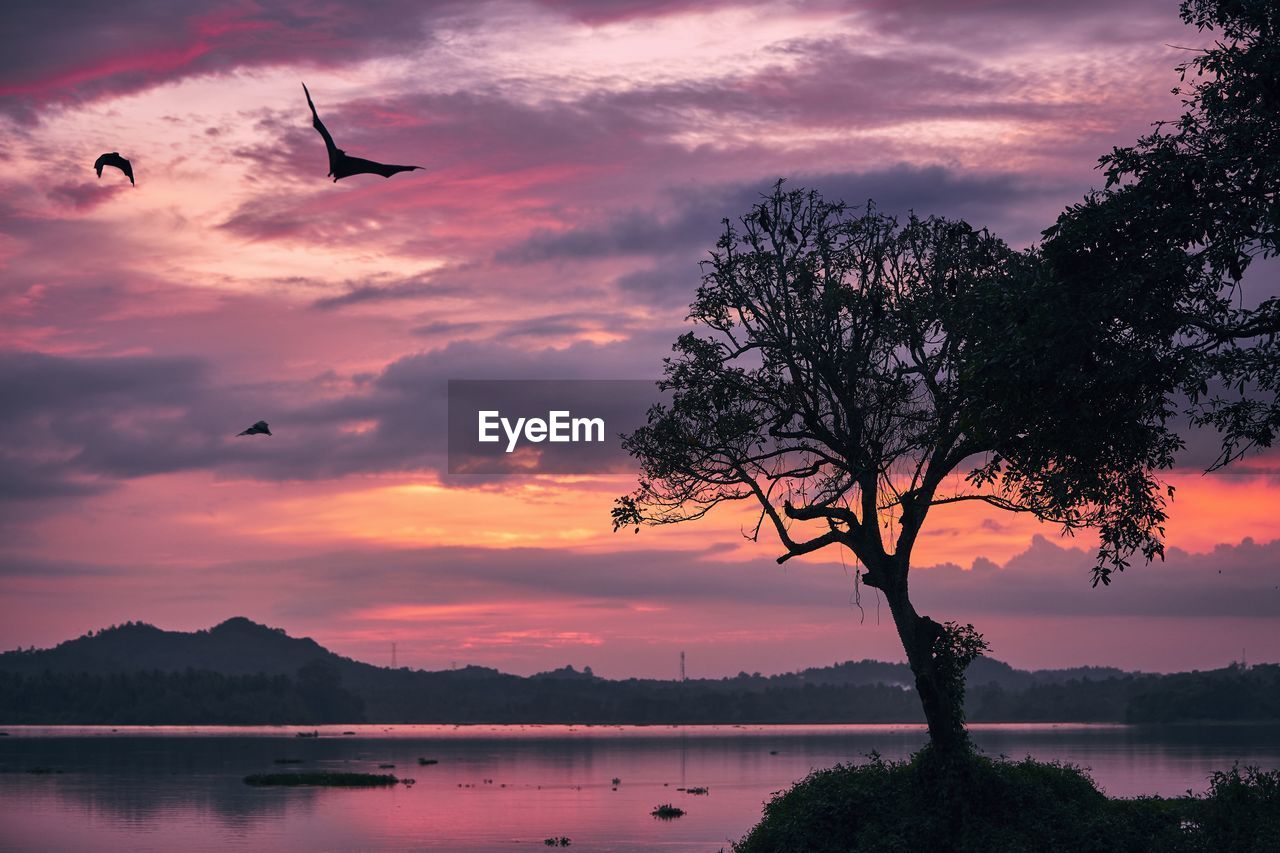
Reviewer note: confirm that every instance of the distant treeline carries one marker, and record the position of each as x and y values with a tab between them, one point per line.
1235	693
191	697
315	695
241	672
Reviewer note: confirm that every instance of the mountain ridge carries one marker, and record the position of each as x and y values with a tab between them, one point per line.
240	672
240	646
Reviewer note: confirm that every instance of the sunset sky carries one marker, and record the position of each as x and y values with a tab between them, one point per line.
578	157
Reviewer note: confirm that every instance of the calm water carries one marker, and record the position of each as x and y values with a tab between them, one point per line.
180	788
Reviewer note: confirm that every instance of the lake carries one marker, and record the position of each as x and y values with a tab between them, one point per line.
505	787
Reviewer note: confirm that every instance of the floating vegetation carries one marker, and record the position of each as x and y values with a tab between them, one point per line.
307	734
321	779
666	811
427	762
562	841
288	761
348	733
616	781
697	789
385	766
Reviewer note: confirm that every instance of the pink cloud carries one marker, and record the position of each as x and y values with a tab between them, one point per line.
556	232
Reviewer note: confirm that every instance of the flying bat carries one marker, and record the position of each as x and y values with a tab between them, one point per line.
341	164
260	428
114	159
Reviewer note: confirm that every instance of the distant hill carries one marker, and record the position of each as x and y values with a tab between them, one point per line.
238	646
242	672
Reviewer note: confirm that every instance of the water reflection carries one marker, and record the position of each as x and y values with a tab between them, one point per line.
165	788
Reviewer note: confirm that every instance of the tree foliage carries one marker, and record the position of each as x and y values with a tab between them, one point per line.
850	372
1185	213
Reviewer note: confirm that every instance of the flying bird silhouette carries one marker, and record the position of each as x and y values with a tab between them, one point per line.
114	159
260	428
341	164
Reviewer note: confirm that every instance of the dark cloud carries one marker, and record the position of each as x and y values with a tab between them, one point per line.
70	53
67	54
599	12
1050	580
64	54
688	225
25	479
1044	582
74	426
431	286
68	422
26	568
85	195
630	233
33	384
987	22
671	281
446	327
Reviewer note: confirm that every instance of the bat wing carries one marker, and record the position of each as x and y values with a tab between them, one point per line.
386	170
348	166
319	125
127	168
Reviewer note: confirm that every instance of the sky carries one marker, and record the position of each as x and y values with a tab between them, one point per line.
578	158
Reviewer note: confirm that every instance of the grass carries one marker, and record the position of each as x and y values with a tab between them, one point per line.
322	779
981	805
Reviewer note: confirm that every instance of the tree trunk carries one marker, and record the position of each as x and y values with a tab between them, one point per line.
941	690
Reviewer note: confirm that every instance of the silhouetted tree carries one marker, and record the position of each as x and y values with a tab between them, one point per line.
1185	212
857	373
851	373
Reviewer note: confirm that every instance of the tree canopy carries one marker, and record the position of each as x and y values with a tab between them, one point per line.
1185	213
849	372
853	371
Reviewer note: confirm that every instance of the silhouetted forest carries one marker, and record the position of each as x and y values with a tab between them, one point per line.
240	672
191	697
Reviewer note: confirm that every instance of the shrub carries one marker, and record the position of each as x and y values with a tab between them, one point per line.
981	805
